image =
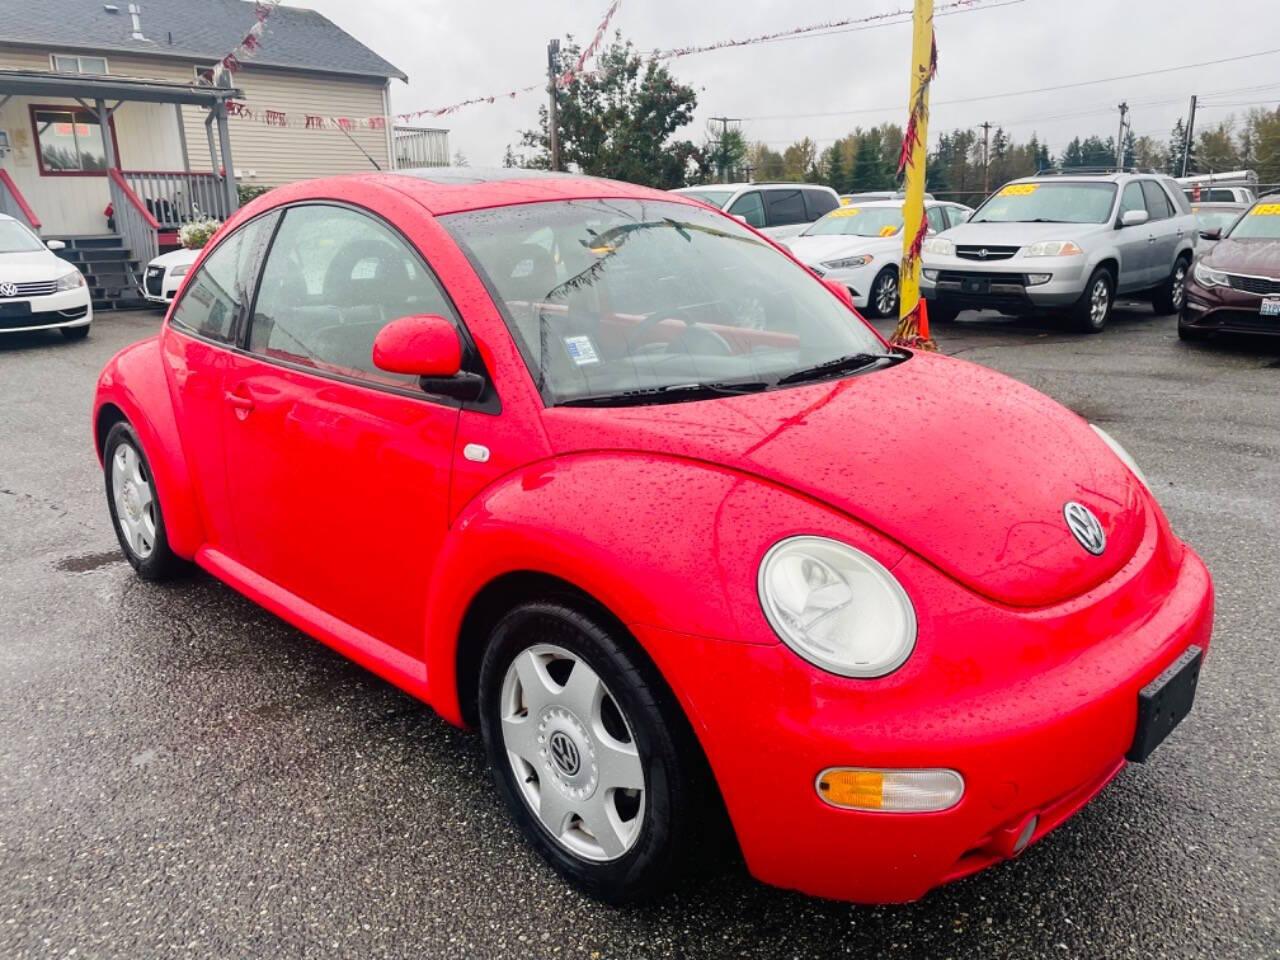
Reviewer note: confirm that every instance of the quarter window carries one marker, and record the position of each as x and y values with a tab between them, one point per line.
213	299
333	279
1157	203
785	207
750	208
818	203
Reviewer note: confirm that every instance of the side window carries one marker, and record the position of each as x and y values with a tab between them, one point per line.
333	279
1180	199
957	215
784	207
819	203
214	297
1157	203
750	207
937	222
1131	199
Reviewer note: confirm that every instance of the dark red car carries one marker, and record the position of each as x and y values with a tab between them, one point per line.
608	475
1235	286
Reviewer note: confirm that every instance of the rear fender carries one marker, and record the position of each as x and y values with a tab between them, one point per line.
133	387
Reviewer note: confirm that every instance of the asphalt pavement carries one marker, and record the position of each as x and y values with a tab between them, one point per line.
182	774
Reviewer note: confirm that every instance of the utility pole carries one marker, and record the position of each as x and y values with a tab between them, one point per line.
724	129
1186	144
986	158
1124	109
553	112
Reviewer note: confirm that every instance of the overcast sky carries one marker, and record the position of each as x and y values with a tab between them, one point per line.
452	50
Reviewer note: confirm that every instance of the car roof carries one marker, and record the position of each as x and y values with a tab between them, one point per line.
753	185
444	190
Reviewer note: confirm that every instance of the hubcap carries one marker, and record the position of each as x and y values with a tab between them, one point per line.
1098	302
887	295
1179	275
134	501
572	753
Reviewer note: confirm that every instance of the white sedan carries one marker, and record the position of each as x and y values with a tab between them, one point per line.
38	290
165	273
861	246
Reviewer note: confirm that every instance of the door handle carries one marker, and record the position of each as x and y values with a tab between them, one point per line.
1151	239
240	403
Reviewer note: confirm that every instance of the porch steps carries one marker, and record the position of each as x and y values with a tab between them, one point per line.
109	268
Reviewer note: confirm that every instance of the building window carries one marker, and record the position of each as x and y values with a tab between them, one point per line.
70	141
68	63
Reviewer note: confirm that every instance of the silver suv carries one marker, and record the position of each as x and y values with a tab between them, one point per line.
1065	243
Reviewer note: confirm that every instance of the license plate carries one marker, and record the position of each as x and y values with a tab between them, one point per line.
1270	307
1164	702
975	286
20	309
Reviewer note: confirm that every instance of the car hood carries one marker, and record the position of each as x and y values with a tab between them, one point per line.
967	468
1259	258
30	267
1018	234
814	250
175	258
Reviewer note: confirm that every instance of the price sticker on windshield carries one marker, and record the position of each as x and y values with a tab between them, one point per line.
1019	189
1266	210
844	212
888	231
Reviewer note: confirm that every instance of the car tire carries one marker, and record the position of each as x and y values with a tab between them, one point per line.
1092	311
632	732
135	507
882	298
75	333
1168	298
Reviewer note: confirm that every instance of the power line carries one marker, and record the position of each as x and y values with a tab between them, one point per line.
1020	93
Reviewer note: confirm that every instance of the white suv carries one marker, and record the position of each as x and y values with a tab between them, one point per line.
776	209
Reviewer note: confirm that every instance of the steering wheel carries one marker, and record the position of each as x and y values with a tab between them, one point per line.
691	333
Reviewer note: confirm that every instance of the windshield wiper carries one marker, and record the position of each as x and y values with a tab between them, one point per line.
670	393
845	364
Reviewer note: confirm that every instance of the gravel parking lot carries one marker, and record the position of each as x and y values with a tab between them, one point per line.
181	772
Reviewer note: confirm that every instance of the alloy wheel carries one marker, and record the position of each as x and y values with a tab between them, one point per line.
134	500
572	752
1179	275
1099	298
887	295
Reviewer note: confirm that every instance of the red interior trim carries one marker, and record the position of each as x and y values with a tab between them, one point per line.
12	187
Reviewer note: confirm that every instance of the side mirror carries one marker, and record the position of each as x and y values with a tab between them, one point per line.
55	245
840	290
428	347
1134	218
1213	233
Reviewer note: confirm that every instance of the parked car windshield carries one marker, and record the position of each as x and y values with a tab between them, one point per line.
856	221
15	238
717	198
1262	222
1059	202
630	301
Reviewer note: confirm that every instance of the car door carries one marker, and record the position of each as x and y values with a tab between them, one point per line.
936	218
196	344
784	211
750	207
339	472
1132	242
1166	231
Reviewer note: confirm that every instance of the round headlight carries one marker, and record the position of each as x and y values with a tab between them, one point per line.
1122	453
836	607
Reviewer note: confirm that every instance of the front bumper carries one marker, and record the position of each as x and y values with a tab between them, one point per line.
1224	310
1003	284
1038	728
67	308
857	279
160	288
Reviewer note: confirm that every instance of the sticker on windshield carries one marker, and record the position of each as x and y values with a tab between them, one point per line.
845	201
844	212
1019	189
1266	210
581	350
888	231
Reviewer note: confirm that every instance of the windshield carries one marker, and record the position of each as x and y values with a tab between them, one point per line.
15	238
607	298
1262	222
1221	219
1066	202
858	222
717	198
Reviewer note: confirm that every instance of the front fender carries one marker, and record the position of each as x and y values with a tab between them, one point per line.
659	541
133	382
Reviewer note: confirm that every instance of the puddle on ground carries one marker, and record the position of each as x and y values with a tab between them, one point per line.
88	561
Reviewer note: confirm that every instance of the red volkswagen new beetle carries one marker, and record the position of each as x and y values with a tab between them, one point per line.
607	474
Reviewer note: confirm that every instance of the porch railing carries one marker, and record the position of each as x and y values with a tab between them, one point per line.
135	224
177	197
14	204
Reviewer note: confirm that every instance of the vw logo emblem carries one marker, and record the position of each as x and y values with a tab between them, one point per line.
565	753
8	289
982	254
1084	526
